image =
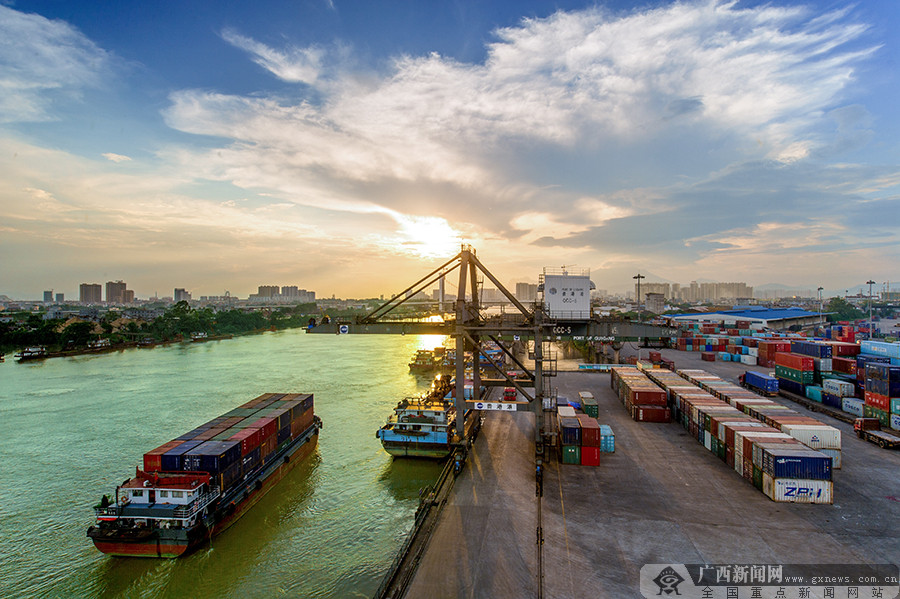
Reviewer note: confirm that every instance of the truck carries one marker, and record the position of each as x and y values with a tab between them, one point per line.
870	430
759	382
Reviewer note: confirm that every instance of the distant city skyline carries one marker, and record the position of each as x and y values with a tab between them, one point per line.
354	146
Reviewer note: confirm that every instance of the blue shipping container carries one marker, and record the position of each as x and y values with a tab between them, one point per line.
796	463
213	456
173	460
767	383
570	431
832	400
790	386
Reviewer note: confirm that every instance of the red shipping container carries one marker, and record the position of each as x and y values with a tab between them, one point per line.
267	446
708	356
844	365
590	432
249	438
795	361
268	426
153	459
648	413
590	456
877	400
843	349
650	397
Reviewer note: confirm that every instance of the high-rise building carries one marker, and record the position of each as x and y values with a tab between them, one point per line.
60	298
90	293
181	295
291	291
268	290
48	296
526	292
128	297
115	292
663	288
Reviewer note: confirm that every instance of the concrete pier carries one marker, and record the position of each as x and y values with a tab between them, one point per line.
661	498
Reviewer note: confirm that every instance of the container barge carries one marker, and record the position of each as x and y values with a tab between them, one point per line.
424	426
197	485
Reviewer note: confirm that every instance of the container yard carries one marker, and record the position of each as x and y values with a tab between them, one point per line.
662	496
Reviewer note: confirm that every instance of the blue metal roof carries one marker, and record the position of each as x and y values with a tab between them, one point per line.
758	313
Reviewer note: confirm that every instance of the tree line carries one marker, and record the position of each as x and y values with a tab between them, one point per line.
178	322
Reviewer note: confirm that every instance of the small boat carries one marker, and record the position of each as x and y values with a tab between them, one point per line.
32	353
199	337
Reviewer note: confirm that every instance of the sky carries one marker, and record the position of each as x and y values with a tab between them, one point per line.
349	147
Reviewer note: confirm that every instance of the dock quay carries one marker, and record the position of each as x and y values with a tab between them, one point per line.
661	498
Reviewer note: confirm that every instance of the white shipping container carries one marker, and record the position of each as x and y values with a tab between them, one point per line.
854	406
550	403
797	490
814	436
823	364
707	440
585	395
835	455
753	351
566	411
895	422
748	360
839	388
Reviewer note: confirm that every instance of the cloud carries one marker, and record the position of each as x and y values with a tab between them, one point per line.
42	60
295	65
671	135
116	157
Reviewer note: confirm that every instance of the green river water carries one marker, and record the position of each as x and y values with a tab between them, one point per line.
73	428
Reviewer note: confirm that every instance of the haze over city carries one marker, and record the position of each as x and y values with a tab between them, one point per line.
351	147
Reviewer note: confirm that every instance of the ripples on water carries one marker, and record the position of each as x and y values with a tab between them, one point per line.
73	428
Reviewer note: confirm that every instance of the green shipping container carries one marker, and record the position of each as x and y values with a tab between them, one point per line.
805	377
895	405
883	417
571	454
592	410
757	477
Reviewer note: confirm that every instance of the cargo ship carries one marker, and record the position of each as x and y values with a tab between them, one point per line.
32	353
425	426
197	485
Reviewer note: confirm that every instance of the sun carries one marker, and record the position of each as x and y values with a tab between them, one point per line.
428	236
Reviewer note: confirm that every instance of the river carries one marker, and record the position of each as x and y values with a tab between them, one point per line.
73	428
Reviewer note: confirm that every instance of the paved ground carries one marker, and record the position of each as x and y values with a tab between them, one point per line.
660	498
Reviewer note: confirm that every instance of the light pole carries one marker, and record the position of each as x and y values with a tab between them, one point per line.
639	276
870	282
821	316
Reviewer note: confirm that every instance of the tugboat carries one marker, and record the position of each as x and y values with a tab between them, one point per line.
197	485
425	426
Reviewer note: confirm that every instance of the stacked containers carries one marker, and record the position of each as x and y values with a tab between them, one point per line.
771	460
882	395
569	440
794	371
589	404
581	438
643	400
809	431
239	442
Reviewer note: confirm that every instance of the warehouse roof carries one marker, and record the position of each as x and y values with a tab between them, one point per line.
751	313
